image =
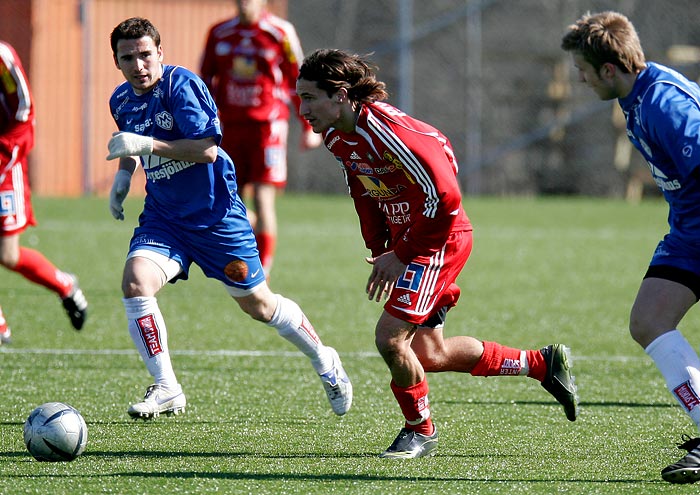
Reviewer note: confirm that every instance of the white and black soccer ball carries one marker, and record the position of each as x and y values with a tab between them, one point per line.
55	432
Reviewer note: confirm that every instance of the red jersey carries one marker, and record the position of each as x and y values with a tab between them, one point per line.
252	69
16	109
402	176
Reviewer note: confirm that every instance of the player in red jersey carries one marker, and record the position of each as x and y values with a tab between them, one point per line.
16	214
250	64
401	174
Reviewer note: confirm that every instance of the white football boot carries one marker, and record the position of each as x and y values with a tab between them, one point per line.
157	400
337	385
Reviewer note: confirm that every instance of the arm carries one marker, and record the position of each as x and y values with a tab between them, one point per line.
129	144
120	186
207	69
373	227
434	171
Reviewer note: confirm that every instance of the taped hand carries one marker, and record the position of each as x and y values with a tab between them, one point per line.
120	188
125	144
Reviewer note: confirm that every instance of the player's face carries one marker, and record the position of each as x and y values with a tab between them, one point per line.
598	80
250	10
140	62
320	110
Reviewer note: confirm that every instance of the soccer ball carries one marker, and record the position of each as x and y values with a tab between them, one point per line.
55	432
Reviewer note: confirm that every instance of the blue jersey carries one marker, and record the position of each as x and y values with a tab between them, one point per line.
663	123
179	106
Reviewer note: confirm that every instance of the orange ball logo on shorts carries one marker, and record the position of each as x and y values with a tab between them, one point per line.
236	271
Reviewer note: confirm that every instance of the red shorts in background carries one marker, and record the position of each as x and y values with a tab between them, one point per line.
259	151
428	283
16	212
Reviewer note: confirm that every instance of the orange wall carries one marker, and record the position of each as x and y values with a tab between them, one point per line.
73	75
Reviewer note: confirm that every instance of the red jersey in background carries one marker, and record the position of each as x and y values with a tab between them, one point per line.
252	69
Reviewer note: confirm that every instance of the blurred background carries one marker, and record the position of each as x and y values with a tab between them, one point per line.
488	73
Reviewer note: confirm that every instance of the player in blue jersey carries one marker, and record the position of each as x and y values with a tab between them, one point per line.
192	213
662	109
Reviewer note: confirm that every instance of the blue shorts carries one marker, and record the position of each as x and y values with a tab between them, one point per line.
226	251
678	261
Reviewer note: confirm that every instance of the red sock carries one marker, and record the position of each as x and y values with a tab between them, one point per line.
266	245
33	266
415	406
500	360
3	323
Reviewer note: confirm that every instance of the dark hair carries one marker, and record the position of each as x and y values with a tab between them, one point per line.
335	69
132	29
606	37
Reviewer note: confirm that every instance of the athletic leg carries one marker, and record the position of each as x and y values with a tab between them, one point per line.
144	275
292	324
36	268
418	437
264	196
657	311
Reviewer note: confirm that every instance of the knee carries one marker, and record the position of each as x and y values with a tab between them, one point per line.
260	305
9	258
8	262
386	345
132	288
643	331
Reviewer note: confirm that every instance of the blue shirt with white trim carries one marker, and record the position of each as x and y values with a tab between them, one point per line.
179	106
663	123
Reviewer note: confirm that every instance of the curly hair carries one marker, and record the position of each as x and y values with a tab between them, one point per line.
334	69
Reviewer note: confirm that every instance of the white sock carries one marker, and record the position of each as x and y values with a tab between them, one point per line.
680	366
147	330
292	324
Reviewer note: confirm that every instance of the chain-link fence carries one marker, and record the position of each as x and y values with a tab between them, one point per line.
491	75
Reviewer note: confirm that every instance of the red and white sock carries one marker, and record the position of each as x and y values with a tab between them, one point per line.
499	360
415	406
34	266
147	330
291	323
680	366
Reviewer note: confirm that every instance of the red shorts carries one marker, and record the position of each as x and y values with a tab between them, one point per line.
16	212
259	151
428	284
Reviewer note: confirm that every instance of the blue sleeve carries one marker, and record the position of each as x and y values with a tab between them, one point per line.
674	122
193	107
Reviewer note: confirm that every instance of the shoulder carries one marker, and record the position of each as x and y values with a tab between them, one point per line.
278	27
176	76
663	81
7	53
223	28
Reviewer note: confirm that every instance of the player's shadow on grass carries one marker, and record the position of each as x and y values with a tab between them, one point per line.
355	477
661	405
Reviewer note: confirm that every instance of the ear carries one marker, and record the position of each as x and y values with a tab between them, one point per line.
608	70
340	96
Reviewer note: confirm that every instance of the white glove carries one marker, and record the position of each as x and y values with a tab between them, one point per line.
120	188
125	144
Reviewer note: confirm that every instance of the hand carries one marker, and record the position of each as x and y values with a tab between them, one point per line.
309	139
125	144
387	268
120	188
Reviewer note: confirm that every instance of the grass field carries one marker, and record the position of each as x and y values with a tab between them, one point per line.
542	271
